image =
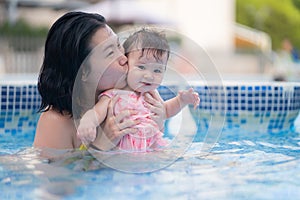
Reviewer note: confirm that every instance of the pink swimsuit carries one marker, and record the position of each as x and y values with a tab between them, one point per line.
148	136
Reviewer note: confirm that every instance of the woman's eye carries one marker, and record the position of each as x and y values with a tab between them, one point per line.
119	46
157	71
141	67
110	53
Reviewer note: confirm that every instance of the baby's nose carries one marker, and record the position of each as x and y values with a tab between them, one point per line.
148	76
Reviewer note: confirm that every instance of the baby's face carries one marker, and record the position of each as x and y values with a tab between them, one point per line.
145	72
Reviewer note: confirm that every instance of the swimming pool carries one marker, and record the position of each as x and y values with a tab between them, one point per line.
254	150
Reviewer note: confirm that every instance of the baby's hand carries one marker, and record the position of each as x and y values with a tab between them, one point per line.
189	97
86	134
86	131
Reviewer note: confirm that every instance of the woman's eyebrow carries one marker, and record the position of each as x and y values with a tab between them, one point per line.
109	46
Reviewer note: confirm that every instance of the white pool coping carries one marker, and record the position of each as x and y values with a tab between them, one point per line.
18	79
31	79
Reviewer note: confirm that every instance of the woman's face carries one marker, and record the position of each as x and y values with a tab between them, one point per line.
109	60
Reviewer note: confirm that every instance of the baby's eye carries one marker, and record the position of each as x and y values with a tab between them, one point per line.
141	67
157	71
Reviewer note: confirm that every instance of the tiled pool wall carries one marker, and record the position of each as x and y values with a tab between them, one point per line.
260	107
19	105
251	106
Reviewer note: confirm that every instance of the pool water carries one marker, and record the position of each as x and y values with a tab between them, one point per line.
254	151
241	165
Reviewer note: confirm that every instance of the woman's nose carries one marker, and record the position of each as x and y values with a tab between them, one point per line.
123	60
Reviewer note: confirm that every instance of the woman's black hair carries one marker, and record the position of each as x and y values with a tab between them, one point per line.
66	47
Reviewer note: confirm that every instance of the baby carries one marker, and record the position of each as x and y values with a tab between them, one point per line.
148	53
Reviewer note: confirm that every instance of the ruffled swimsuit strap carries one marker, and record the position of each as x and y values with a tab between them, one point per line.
109	93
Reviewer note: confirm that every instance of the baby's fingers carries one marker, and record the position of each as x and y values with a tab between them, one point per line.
191	90
84	141
196	100
88	135
91	134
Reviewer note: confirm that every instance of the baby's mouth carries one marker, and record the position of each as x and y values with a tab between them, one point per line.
146	84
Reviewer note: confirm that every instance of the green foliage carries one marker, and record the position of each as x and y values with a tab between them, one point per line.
296	4
23	37
280	19
22	28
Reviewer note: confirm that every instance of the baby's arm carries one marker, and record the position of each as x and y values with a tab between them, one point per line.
174	105
91	119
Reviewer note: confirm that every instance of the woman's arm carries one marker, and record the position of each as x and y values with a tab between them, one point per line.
55	130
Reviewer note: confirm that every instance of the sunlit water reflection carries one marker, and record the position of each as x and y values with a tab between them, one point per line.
239	166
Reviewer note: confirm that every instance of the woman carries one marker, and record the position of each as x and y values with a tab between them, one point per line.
70	40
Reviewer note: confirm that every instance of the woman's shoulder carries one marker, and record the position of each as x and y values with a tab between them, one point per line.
52	115
57	121
55	130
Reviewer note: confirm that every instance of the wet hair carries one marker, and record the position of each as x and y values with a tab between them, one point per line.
67	45
148	41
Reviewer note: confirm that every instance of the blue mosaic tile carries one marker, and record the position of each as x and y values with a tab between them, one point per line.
273	106
167	92
19	97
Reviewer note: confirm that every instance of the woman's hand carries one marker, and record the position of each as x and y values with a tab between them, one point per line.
156	106
114	127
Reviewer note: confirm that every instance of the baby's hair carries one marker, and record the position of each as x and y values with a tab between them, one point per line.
149	41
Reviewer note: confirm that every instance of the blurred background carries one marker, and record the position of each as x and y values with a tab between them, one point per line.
253	39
